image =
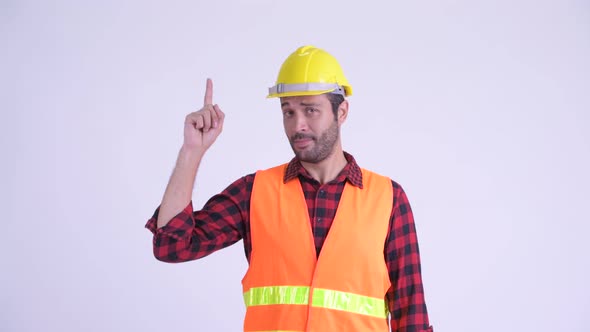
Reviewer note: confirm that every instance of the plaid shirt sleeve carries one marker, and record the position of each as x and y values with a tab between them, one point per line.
406	297
220	223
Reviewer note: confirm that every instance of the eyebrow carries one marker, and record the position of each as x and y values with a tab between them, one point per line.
302	104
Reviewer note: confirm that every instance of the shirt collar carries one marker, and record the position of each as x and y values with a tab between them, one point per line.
351	172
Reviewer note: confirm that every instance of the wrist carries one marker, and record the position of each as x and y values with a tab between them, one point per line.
191	153
191	150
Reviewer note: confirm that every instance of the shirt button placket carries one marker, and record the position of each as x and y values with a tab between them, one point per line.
321	195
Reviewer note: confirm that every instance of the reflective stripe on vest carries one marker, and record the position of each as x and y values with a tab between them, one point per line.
277	295
322	298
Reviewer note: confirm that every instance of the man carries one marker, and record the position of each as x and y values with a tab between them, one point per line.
330	246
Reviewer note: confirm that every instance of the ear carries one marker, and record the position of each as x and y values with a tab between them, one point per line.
342	112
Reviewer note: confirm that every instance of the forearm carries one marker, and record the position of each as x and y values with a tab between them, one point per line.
180	187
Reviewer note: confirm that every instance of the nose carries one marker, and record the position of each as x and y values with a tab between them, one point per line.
300	122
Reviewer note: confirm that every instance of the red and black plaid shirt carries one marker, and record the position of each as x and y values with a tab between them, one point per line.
225	219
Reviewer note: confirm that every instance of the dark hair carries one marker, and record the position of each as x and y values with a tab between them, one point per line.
335	100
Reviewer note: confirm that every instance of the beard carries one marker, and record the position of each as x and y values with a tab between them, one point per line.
323	146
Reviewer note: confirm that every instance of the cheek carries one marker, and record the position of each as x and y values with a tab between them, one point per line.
287	127
289	124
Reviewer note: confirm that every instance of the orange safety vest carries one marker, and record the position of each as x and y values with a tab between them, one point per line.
287	289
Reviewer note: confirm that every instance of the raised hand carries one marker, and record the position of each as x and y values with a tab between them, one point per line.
202	127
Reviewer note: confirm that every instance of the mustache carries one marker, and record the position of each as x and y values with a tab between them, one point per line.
302	136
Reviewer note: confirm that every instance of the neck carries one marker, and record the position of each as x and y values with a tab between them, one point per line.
327	169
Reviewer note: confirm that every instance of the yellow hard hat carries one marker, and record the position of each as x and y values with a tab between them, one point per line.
310	71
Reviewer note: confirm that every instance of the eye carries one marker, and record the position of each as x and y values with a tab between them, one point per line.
311	110
287	113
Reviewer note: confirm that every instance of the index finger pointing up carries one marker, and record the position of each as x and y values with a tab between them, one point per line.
209	93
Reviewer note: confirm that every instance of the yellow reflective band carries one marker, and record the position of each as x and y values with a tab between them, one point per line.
277	295
354	303
322	298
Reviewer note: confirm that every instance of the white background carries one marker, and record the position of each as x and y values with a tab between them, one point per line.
480	109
